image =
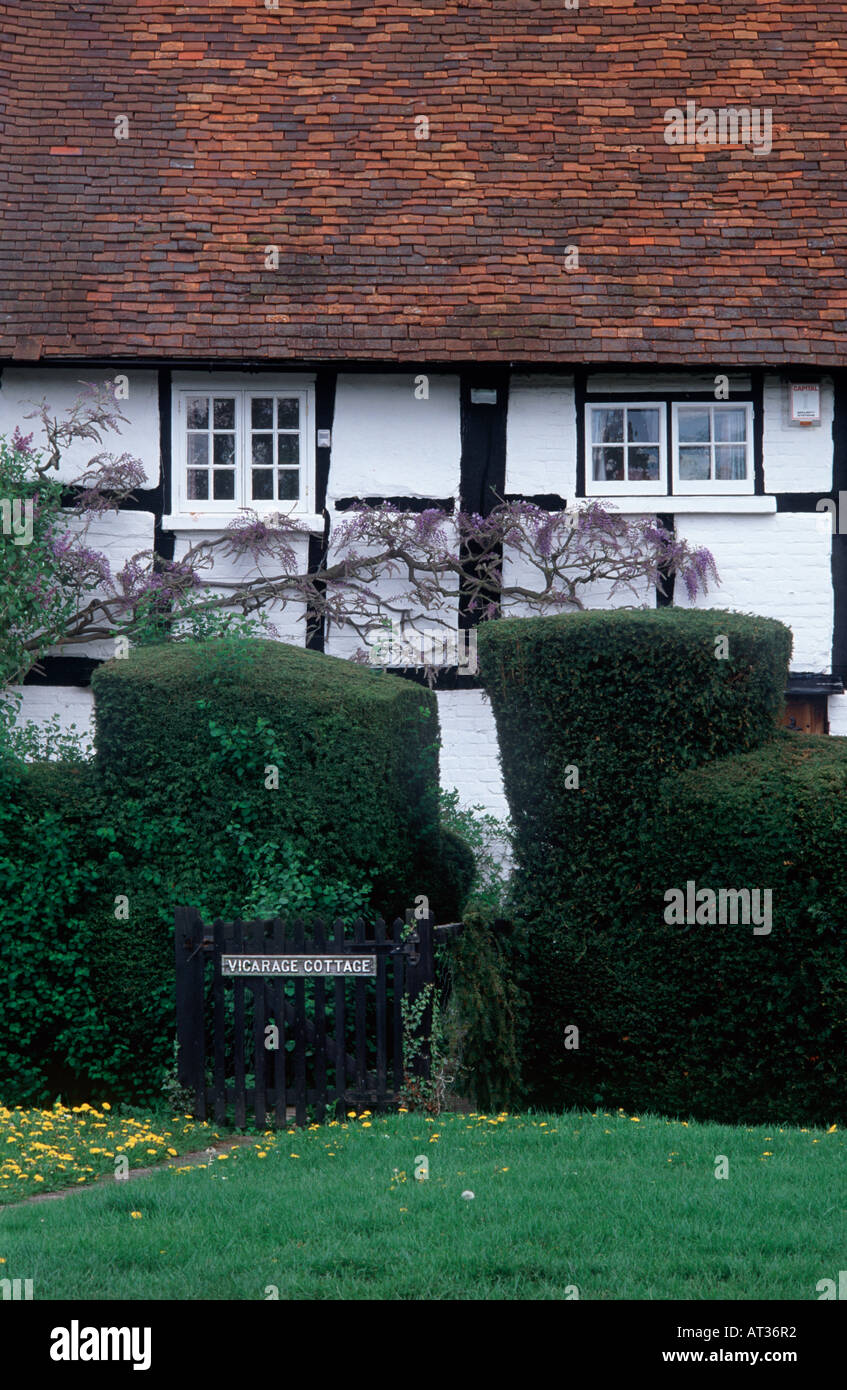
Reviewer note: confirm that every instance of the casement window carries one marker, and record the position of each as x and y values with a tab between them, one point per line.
626	448
658	447
713	448
243	446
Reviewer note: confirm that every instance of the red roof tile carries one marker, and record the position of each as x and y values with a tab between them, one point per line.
295	127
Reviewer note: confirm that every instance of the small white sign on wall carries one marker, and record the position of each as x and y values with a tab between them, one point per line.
805	403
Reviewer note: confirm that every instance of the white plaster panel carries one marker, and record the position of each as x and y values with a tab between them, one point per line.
385	442
517	570
22	389
837	714
72	703
797	458
288	620
118	536
541	436
777	566
470	756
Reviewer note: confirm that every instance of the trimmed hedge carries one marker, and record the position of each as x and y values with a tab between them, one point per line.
356	751
761	1027
54	1039
720	1022
179	807
624	697
593	710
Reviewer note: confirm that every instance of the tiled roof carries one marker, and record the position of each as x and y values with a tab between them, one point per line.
249	126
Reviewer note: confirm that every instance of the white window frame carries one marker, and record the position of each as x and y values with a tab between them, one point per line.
242	385
715	487
606	488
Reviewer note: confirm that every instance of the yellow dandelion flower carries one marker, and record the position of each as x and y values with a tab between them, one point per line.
136	1215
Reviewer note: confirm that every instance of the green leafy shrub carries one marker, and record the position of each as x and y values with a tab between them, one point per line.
356	754
593	710
179	806
739	1026
488	841
484	1015
54	1039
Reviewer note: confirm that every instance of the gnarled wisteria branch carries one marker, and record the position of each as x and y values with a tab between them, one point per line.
382	564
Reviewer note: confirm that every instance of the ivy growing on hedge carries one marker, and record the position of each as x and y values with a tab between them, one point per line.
179	807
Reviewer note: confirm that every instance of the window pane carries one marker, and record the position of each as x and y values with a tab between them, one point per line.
198	412
263	450
224	449
694	464
198	450
730	461
693	426
731	425
642	426
607	426
289	484
289	412
288	448
224	485
224	413
198	486
643	465
608	465
263	485
262	412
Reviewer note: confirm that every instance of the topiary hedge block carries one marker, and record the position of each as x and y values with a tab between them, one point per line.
621	697
593	711
356	751
740	1020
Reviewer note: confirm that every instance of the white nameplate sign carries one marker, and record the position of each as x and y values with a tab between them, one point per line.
299	965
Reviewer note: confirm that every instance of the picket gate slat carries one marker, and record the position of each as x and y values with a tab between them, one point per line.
280	1099
346	1052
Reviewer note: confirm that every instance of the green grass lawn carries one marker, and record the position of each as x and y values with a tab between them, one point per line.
621	1208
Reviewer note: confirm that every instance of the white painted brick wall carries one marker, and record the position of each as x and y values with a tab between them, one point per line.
74	705
777	566
20	386
119	536
541	436
289	620
385	442
797	458
470	759
837	712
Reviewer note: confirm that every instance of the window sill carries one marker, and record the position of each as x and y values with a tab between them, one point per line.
217	521
651	504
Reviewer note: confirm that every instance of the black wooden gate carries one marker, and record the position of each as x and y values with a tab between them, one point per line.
278	1048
